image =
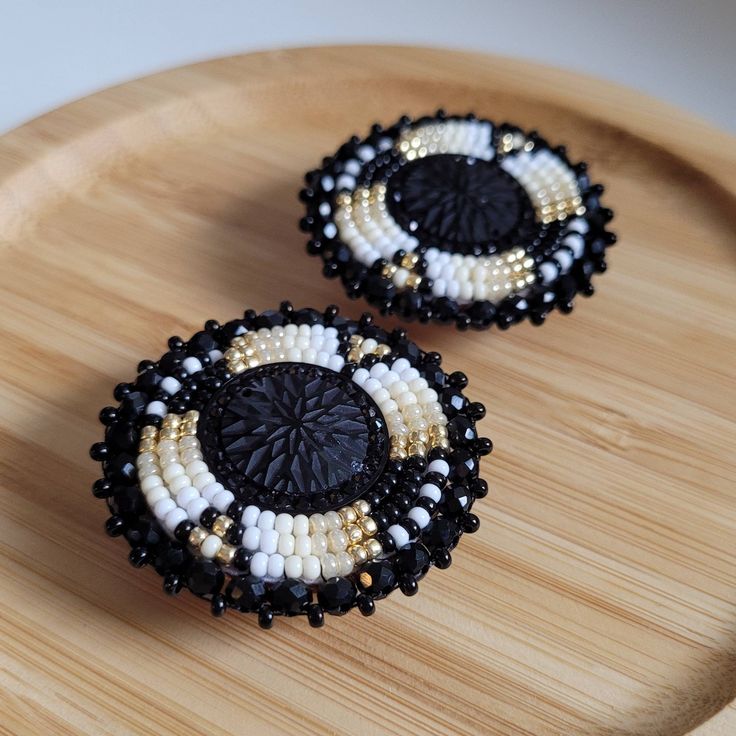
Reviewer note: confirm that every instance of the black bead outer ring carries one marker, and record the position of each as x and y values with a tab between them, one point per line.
560	255
396	489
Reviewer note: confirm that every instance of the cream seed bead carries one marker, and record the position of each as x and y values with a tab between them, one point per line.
211	546
317	524
252	538
203	480
330	567
319	544
275	568
174	518
147	470
196	467
185	442
301	525
389	378
190	455
284	523
146	457
311	569
293	566
269	542
303	545
196	507
333	520
371	386
259	565
337	540
287	544
266	520
250	516
345	563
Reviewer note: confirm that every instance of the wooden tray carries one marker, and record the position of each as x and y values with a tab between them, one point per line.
599	596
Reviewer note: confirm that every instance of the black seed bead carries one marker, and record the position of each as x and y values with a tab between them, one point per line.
207	519
417	463
218	605
483	446
365	604
172	584
436	479
204	577
122	390
234	534
265	616
315	615
470	523
458	379
387	541
242	558
139	557
408	585
411	527
102	488
442	559
108	415
476	410
462	321
427	504
373	498
235	511
437	453
183	530
99	451
115	526
402	502
479	488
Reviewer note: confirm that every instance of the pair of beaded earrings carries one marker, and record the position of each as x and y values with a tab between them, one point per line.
299	462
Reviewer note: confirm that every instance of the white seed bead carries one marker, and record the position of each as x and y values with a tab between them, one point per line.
183	481
420	515
172	471
186	495
170	385
157	408
287	543
317	524
259	565
333	520
252	538
196	507
250	516
371	386
311	569
152	481
156	494
303	545
439	466
361	376
400	364
399	535
345	563
266	520
191	365
284	523
213	489
196	467
211	546
301	525
429	490
293	566
275	567
223	500
162	507
329	566
319	544
269	541
203	480
174	518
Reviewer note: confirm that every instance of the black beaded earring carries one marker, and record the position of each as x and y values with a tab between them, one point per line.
457	220
292	462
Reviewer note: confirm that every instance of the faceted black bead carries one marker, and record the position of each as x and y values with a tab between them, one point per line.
218	605
242	558
143	534
307	317
133	404
482	313
122	436
441	533
102	488
204	577
99	451
461	430
265	616
315	615
445	309
471	523
202	342
463	465
115	526
413	558
148	380
337	595
183	530
121	469
377	579
453	401
290	596
172	584
409	350
139	557
246	593
365	604
173	558
270	318
456	500
408	585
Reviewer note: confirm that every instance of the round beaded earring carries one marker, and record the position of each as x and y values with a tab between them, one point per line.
292	462
457	220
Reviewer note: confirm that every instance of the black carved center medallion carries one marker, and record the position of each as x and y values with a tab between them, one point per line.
458	202
294	436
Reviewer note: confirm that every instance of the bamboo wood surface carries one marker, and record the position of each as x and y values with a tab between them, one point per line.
598	597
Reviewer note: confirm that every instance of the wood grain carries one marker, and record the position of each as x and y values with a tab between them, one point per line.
599	597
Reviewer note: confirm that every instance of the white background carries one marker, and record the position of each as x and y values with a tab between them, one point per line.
53	51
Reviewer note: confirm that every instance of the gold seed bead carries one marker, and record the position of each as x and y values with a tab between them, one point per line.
382	350
232	355
192	415
226	554
410	260
348	515
354	356
443	442
362	507
359	553
419	435
147	445
238	342
221	525
438	430
417	448
355	534
171	420
253	362
398	453
237	368
148	431
189	429
389	270
413	281
373	548
169	433
197	536
356	339
368	526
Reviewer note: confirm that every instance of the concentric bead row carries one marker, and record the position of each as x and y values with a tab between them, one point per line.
314	344
414	416
463	137
550	183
